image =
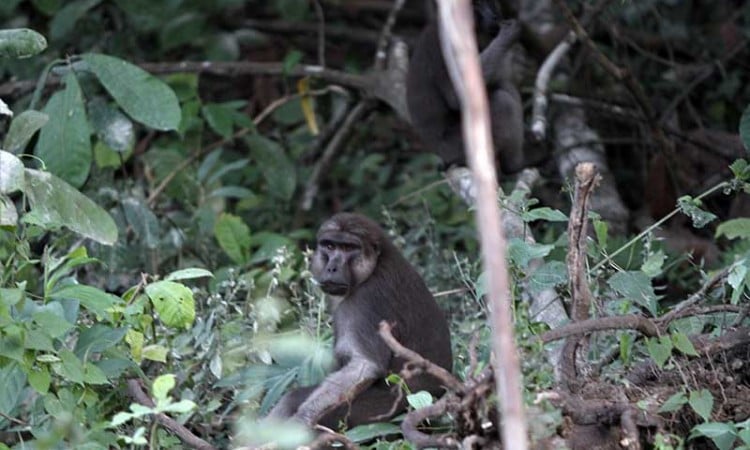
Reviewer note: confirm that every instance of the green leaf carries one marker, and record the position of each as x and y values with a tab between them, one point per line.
278	170
162	385
143	221
22	129
674	403
544	213
40	379
521	253
682	343
64	142
601	228
659	349
70	367
702	402
98	338
93	375
155	352
189	273
233	236
65	20
91	298
21	43
142	96
219	118
181	407
173	302
111	126
364	433
635	286
8	212
653	265
548	276
691	207
723	435
52	322
55	203
419	400
735	228
11	173
745	128
14	382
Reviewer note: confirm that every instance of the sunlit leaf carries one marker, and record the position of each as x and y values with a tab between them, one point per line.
173	302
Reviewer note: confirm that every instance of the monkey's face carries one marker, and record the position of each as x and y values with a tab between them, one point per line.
342	261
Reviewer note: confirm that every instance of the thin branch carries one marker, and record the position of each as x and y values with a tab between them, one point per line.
332	149
415	358
462	59
185	435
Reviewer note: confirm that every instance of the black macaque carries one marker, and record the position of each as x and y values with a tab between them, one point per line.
368	281
434	107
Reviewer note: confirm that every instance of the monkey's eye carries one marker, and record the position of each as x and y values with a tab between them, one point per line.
329	246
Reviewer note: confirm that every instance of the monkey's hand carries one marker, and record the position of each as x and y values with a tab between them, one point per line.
510	30
338	388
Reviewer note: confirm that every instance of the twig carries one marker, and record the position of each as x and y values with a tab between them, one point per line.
209	148
623	75
333	147
328	437
540	101
422	440
185	435
462	60
321	33
696	297
381	57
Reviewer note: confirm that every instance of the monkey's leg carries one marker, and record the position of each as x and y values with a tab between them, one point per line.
289	403
506	114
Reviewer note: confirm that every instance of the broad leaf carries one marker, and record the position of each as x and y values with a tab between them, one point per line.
363	433
11	173
234	237
548	276
65	20
173	302
674	403
112	127
659	349
64	142
189	273
21	43
91	298
702	403
22	129
721	434
278	170
54	203
682	343
419	400
735	228
162	385
142	96
635	286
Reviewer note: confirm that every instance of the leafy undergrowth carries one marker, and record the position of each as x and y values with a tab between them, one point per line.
154	286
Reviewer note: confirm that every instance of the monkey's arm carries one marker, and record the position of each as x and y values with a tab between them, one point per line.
338	388
492	58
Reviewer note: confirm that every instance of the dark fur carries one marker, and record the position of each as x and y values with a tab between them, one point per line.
393	292
434	108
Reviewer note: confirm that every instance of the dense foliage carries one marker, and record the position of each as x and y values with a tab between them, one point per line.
152	229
